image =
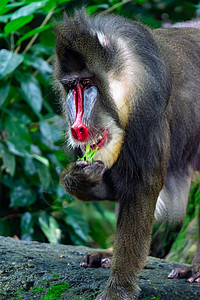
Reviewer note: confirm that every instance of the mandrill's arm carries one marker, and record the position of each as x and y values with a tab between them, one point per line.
88	181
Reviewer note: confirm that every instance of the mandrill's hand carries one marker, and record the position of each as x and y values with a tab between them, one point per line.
83	179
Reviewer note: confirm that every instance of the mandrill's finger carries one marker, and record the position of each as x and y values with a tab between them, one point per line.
81	163
95	169
106	263
197	280
194	277
180	273
173	274
85	261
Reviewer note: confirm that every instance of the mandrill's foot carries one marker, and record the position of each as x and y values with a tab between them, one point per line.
118	292
104	296
96	260
191	272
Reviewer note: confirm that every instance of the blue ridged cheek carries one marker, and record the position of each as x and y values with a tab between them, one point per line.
71	109
90	97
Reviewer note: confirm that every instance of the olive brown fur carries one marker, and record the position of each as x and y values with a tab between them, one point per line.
147	84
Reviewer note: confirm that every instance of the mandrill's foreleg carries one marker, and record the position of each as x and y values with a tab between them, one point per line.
134	225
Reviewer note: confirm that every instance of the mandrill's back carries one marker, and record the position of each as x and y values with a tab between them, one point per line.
180	48
182	43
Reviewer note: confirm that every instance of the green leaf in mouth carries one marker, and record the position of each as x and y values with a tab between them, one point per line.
89	154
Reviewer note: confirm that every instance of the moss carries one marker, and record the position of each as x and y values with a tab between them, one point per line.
55	275
54	292
37	289
16	296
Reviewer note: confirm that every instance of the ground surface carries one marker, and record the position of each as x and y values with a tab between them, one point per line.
31	270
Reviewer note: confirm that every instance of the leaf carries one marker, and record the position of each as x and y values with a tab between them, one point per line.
141	1
60	193
11	6
44	175
41	159
17	131
4	91
14	25
62	1
53	3
8	158
38	49
9	62
19	139
22	195
94	8
30	90
35	150
3	35
50	228
26	225
47	38
5	18
29	166
50	131
3	4
76	221
28	9
19	113
38	63
33	32
16	149
89	154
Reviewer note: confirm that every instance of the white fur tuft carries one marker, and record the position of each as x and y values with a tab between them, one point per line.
173	198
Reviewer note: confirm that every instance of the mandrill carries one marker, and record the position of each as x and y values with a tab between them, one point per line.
134	93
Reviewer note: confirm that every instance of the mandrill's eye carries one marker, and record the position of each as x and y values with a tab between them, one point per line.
85	82
69	85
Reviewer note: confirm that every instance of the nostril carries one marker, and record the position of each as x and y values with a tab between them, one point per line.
74	134
79	132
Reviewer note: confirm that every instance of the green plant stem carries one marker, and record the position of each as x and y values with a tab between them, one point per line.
115	6
49	15
17	49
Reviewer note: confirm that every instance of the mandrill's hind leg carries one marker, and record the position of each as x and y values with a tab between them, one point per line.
192	272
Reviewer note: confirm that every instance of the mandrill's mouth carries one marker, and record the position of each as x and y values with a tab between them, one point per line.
99	142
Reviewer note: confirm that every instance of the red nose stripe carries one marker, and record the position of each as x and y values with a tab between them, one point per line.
79	130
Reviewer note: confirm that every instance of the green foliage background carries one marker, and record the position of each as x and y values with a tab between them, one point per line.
33	206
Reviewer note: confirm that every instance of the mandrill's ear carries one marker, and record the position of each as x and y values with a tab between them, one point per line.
103	40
